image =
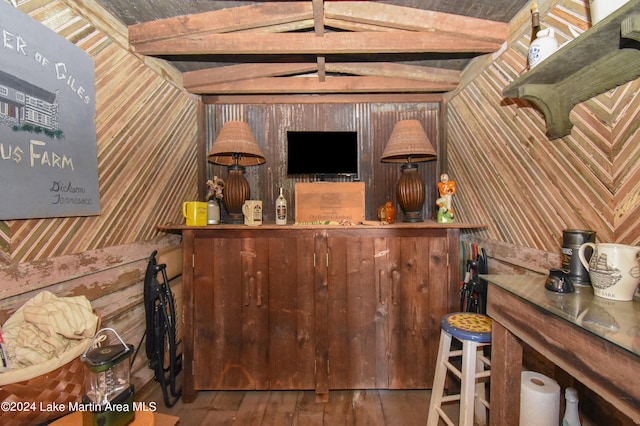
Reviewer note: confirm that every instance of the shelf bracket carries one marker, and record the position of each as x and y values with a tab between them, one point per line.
630	28
555	107
600	59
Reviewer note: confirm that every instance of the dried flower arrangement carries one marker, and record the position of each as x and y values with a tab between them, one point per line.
215	187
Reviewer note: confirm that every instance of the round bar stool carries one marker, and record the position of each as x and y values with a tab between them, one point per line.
474	332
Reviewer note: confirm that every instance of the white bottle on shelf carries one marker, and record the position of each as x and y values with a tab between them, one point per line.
281	209
571	417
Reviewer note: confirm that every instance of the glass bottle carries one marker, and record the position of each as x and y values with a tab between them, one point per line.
535	25
571	417
281	209
535	21
213	212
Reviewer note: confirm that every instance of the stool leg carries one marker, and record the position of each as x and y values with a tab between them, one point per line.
437	389
479	408
468	385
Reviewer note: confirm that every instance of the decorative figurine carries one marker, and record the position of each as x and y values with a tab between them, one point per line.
387	213
390	212
446	188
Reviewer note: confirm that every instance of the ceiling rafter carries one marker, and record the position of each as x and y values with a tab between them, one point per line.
308	85
273	29
407	18
308	43
196	81
318	19
221	21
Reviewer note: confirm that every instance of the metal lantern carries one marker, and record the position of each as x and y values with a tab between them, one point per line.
109	396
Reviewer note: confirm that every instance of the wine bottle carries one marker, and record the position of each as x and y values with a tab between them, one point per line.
535	22
571	417
281	209
535	26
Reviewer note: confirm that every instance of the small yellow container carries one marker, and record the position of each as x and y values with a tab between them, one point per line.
195	213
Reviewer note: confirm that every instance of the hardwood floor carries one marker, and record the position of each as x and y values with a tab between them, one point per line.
299	408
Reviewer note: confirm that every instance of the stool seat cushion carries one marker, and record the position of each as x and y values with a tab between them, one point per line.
468	326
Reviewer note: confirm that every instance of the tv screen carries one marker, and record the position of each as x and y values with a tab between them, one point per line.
329	153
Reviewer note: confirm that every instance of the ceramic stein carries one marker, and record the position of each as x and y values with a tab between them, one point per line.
542	47
614	269
572	239
252	211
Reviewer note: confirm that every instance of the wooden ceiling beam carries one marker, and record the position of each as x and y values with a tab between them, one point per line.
388	69
287	16
341	24
308	43
227	74
221	21
302	85
408	18
278	28
318	19
305	24
333	98
197	80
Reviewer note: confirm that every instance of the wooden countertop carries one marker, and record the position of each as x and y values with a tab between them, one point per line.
595	340
615	321
429	224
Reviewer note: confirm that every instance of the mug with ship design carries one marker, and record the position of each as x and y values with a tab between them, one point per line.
614	269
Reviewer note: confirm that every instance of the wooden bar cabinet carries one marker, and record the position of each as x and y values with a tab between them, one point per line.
315	307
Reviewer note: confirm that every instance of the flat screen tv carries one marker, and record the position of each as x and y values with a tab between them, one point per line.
322	153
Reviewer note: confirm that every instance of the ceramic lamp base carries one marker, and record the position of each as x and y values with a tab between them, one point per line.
410	191
236	192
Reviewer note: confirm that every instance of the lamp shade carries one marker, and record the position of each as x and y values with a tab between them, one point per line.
236	144
408	144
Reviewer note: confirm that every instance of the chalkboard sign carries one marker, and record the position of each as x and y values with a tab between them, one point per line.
48	150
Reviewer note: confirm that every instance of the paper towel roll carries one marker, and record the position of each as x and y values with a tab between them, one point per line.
539	400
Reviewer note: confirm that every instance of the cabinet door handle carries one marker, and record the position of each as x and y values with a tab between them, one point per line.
259	289
246	279
380	279
414	321
395	277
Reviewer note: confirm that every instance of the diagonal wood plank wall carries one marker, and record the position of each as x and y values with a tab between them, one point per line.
528	188
147	133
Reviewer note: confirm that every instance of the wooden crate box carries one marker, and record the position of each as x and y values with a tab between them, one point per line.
329	201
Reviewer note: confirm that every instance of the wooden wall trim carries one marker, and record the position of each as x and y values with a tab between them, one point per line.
202	150
31	276
321	99
509	258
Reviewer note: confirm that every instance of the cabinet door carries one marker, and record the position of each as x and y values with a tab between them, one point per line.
418	280
356	320
386	296
230	313
253	313
291	360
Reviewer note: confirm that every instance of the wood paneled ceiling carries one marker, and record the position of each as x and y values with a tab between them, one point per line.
316	46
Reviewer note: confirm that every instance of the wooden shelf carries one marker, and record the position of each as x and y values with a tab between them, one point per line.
603	57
